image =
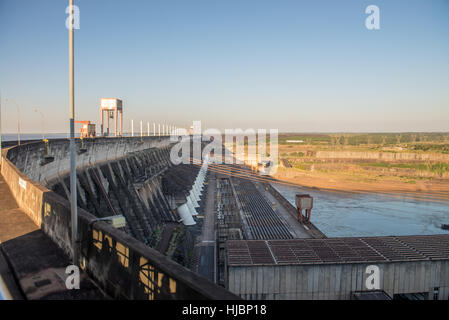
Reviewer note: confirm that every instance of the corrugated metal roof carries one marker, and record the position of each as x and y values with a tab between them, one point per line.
261	220
338	250
371	295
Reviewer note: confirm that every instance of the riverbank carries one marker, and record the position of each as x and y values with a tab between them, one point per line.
347	181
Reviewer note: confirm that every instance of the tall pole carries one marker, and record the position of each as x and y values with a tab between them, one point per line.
73	199
0	128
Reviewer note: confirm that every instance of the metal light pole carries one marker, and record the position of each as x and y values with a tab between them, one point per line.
73	199
1	129
18	119
43	123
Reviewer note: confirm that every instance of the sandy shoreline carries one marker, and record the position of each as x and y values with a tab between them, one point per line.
421	189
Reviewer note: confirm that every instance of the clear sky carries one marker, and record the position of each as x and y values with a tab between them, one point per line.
292	65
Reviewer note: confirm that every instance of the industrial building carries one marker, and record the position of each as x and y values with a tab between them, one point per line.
336	268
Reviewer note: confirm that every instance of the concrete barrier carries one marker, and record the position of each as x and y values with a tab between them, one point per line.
121	265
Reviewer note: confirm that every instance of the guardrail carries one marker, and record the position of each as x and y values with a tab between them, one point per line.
121	265
4	291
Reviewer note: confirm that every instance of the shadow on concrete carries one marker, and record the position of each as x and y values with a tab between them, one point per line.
40	265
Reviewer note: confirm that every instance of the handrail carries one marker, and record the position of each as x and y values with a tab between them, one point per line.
4	291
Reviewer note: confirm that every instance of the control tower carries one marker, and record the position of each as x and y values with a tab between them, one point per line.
114	110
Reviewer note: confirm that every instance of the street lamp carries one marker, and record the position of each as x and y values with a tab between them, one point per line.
43	123
18	119
73	199
0	129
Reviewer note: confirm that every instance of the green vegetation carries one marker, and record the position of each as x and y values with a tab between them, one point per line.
444	148
156	237
301	166
422	166
411	141
297	154
177	233
416	166
438	167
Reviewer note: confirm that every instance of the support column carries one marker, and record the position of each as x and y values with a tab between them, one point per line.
121	122
115	120
101	121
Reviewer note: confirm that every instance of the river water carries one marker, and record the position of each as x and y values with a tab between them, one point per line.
347	214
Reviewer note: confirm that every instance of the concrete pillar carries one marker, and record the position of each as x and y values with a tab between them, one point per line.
199	185
197	193
185	215
192	200
121	122
195	196
196	186
116	122
191	207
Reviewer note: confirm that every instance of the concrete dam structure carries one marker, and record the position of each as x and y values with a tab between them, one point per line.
193	231
132	177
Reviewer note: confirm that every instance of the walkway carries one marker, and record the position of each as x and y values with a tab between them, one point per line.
31	264
293	224
207	265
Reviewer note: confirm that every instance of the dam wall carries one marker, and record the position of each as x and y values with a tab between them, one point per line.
43	162
129	186
120	264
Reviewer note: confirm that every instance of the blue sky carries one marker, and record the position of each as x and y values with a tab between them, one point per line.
292	65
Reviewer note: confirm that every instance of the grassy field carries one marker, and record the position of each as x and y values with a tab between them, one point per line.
356	160
405	142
